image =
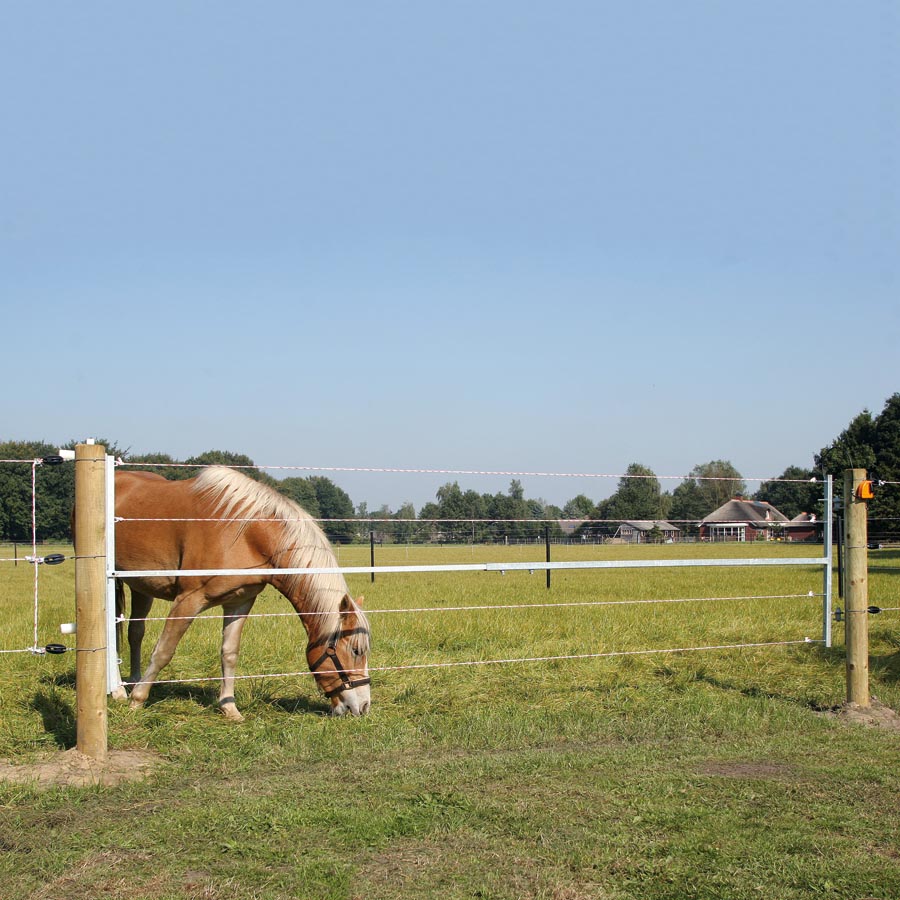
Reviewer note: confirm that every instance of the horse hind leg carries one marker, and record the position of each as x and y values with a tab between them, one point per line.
184	610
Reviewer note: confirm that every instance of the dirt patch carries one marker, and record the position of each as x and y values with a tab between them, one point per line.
875	715
74	769
746	769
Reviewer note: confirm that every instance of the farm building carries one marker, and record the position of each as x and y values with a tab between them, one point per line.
743	520
570	526
805	527
645	531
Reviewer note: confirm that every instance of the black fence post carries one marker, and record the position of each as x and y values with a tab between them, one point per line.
547	543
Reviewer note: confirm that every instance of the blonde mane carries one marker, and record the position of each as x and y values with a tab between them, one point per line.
300	544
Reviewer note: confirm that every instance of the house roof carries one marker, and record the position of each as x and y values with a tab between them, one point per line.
749	511
649	525
804	519
570	526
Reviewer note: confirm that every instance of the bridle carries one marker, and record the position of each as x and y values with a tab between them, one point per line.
330	654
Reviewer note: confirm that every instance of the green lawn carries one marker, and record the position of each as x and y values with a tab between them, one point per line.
668	775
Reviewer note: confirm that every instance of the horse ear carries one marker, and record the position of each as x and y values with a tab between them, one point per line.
349	605
359	600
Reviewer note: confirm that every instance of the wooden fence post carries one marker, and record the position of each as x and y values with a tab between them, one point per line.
90	600
856	588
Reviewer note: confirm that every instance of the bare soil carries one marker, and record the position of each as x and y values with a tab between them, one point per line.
876	715
748	769
72	768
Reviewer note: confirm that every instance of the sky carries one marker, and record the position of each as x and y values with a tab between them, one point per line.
497	236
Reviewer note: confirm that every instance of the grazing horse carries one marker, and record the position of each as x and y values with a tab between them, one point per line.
224	520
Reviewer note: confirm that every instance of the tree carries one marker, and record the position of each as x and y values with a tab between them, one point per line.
225	458
886	441
302	492
454	504
580	507
506	515
406	523
155	462
334	503
871	443
688	506
716	482
637	496
598	524
886	444
795	491
54	492
852	449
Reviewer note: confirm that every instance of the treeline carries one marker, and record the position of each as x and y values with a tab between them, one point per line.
870	441
55	488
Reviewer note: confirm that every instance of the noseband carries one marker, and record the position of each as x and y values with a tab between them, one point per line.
330	653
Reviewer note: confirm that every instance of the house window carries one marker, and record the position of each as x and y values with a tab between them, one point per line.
729	533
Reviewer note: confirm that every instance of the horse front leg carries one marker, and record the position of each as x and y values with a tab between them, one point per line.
184	610
233	621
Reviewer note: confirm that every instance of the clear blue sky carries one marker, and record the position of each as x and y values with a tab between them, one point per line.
545	236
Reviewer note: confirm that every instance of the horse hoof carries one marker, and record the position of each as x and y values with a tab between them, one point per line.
231	712
137	704
119	693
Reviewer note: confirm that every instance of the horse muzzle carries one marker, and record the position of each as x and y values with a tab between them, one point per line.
354	700
352	694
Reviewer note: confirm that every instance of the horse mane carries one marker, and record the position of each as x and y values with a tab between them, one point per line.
301	543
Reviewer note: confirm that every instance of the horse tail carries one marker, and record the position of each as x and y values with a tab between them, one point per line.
120	613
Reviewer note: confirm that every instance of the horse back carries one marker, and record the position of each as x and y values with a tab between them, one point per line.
166	524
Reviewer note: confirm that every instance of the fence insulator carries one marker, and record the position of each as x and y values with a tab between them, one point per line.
52	559
839	614
52	460
56	648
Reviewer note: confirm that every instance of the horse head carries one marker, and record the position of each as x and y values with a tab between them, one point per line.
339	661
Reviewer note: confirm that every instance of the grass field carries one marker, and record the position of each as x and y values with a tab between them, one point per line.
707	774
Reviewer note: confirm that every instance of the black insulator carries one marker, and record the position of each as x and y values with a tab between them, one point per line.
56	648
838	615
54	559
874	610
52	460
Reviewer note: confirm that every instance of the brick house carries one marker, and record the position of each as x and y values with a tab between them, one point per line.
743	520
805	527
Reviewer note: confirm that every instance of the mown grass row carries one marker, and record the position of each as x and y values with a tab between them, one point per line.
666	775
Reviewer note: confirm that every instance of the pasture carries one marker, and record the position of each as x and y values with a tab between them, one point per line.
699	774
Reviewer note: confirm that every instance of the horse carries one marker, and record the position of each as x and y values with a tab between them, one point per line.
221	519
